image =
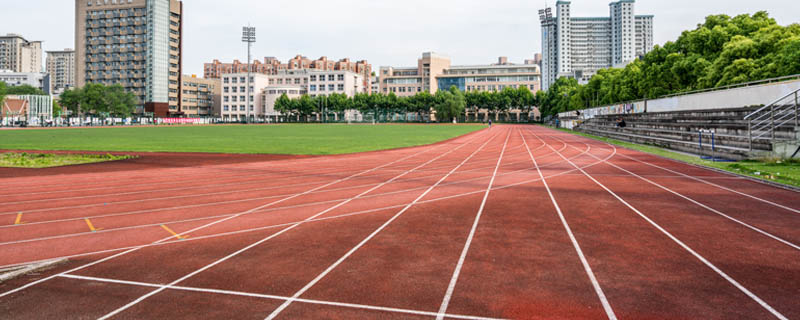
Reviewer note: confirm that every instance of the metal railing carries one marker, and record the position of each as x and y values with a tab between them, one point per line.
765	121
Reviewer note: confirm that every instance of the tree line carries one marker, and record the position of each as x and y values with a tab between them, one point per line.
719	52
447	104
98	99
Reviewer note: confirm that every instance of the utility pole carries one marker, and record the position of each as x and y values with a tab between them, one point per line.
249	37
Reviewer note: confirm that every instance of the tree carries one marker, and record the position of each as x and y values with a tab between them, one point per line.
283	104
56	109
24	90
3	89
723	50
118	102
449	104
71	99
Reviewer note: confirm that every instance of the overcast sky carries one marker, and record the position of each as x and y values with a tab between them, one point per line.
385	32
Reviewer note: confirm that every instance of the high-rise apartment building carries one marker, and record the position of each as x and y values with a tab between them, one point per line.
579	46
134	43
20	55
61	67
273	66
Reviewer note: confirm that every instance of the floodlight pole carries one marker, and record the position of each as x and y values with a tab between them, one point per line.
248	36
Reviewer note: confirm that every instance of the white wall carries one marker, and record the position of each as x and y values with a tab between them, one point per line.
723	99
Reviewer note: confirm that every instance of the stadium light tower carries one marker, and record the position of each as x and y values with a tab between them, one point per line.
249	37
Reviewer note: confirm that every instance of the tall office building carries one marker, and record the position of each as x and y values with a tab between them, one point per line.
134	43
579	46
20	55
61	67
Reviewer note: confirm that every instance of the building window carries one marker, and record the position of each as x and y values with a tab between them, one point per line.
340	87
313	87
313	78
330	87
331	77
341	77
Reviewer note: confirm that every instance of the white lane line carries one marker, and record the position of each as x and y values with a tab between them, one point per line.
133	249
236	182
275	297
715	185
29	224
454	279
685	247
287	229
762	232
598	290
344	215
372	235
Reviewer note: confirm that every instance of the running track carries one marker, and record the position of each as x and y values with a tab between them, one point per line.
466	229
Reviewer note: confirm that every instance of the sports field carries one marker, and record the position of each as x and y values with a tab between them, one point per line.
295	139
520	222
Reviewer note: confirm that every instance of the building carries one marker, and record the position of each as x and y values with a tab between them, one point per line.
60	65
273	93
37	80
133	43
31	108
375	85
294	83
408	81
579	46
235	96
20	55
491	77
273	66
200	97
434	72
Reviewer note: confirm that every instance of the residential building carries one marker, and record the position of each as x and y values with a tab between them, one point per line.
200	97
314	83
133	43
60	65
237	99
37	80
375	85
436	69
579	46
20	55
408	81
273	66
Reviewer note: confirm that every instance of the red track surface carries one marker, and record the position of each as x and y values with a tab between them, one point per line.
462	229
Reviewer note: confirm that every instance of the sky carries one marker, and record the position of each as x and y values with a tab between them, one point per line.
384	32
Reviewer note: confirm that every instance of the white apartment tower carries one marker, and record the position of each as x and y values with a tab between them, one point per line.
61	67
20	55
579	46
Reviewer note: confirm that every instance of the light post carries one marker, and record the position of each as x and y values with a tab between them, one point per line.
249	37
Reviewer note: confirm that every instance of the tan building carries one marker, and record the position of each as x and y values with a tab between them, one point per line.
434	72
61	67
411	80
134	43
200	97
20	55
273	66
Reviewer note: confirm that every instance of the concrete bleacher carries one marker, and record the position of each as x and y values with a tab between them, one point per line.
681	131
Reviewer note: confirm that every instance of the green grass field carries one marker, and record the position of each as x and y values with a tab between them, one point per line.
295	139
43	160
